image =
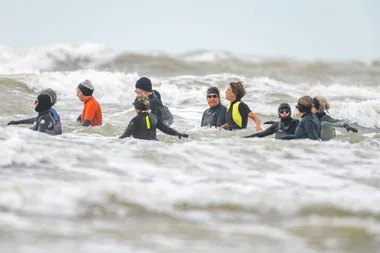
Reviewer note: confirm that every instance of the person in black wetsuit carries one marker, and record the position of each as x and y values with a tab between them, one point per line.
167	116
238	112
328	124
144	86
45	120
286	126
56	116
144	125
309	126
215	116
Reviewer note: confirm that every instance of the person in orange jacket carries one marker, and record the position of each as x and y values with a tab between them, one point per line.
92	112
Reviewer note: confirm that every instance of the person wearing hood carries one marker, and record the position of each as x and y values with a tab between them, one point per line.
45	121
309	126
328	124
215	115
144	124
52	110
92	112
286	126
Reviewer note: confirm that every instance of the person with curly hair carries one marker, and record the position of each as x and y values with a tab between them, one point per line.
238	112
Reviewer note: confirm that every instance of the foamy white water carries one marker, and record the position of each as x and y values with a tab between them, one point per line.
88	191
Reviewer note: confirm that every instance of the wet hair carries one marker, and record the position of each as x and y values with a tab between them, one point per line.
305	103
141	102
238	89
321	104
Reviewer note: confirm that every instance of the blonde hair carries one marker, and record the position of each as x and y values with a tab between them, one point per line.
141	102
323	104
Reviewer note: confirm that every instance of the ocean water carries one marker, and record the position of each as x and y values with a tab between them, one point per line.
88	191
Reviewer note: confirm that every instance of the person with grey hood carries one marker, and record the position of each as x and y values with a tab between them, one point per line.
328	124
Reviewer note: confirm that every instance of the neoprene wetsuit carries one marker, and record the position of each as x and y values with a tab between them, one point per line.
214	117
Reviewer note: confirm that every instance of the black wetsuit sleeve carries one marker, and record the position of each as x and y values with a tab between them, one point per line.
244	109
221	120
79	119
43	123
86	123
23	121
166	129
131	129
270	130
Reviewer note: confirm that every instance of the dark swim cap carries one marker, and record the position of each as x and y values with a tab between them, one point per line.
284	106
213	90
44	103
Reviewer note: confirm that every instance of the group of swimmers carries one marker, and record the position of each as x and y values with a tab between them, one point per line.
314	123
152	114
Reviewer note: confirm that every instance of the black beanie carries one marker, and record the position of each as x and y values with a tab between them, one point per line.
213	90
144	83
44	103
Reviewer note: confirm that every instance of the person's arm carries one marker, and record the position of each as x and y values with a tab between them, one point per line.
131	129
221	120
270	130
79	119
89	114
329	121
28	121
86	123
256	119
224	126
168	130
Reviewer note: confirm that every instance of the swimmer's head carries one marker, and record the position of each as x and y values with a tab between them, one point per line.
320	105
85	90
284	111
143	85
304	104
141	103
213	97
43	102
51	93
235	90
